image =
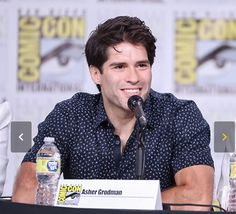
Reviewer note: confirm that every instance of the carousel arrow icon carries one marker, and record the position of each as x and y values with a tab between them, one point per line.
20	137
224	136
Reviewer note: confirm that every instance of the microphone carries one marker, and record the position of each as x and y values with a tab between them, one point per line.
135	103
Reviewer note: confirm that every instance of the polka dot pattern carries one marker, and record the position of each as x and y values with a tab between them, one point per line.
176	137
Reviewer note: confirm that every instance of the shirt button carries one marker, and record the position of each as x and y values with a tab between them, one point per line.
117	142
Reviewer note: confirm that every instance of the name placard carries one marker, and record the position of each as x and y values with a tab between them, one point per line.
109	194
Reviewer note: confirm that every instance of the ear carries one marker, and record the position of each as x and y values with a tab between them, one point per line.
95	74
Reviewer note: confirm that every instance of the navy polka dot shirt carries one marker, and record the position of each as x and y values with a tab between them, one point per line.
176	137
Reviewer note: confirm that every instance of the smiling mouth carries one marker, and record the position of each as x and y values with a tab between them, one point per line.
132	91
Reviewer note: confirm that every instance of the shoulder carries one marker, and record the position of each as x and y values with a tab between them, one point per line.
182	115
78	103
78	106
167	102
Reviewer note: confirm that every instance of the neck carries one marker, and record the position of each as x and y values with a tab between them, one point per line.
123	122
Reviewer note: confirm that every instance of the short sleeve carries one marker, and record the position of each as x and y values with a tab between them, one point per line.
58	125
191	138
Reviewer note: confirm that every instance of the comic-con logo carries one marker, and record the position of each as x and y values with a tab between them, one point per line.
69	194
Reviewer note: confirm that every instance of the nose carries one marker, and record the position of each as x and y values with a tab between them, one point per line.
132	75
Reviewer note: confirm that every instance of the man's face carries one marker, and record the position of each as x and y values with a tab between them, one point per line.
127	72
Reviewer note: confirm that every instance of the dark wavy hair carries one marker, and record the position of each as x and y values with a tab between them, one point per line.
114	31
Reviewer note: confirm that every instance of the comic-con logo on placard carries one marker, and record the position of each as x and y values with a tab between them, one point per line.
205	55
50	52
69	194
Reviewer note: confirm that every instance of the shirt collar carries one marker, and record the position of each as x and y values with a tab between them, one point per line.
152	112
100	114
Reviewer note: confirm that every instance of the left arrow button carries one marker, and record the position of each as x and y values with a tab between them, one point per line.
21	137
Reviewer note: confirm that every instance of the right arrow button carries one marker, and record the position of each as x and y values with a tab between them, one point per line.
224	137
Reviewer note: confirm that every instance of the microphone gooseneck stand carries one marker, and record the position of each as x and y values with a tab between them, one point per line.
140	155
135	103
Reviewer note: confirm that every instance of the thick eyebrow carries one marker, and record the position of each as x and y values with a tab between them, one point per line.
124	63
143	62
117	63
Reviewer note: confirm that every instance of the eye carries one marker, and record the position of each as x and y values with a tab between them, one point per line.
143	65
119	66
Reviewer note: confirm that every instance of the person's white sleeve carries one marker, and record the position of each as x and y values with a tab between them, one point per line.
5	118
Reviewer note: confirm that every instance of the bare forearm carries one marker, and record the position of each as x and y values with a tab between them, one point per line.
186	195
25	187
24	194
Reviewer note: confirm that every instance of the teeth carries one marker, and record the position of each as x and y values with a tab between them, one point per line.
131	90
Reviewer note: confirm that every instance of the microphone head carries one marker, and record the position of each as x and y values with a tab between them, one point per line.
133	101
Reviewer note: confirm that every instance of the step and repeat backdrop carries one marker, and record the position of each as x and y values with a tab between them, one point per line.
42	55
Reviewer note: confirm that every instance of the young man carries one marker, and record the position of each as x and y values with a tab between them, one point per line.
96	134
